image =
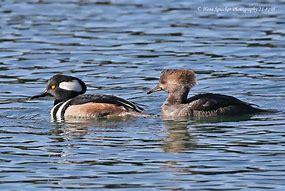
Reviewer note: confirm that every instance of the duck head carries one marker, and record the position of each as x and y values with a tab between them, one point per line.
63	87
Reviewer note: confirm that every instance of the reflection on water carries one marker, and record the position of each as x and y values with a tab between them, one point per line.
119	48
78	127
178	138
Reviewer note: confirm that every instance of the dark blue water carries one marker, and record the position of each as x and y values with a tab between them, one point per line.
119	48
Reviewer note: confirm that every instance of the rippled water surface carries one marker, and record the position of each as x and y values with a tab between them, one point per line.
120	47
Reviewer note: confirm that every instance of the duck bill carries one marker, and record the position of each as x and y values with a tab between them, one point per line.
44	94
155	89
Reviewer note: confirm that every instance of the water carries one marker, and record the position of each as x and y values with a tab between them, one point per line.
120	47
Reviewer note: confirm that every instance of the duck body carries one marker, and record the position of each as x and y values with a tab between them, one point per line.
178	82
71	102
94	106
209	105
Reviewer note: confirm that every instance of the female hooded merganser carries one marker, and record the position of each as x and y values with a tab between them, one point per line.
69	102
178	84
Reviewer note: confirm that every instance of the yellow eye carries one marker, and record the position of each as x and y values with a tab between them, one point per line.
53	87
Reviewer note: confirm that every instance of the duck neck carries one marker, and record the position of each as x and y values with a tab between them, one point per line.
178	96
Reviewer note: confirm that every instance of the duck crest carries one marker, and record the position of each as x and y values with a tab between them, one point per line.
181	77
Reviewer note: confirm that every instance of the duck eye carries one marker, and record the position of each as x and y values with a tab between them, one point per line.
53	87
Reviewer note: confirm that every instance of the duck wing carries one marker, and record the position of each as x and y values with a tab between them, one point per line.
109	99
210	101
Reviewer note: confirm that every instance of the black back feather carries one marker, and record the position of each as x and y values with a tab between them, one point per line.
110	99
210	101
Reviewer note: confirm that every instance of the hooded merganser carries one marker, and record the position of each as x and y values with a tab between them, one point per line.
69	101
178	82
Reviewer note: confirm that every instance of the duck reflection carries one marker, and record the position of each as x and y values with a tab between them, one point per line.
178	137
78	128
70	139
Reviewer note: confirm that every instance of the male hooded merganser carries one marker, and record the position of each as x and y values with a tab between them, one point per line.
69	101
178	82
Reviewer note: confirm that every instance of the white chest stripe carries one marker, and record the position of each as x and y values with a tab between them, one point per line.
53	109
74	85
60	112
